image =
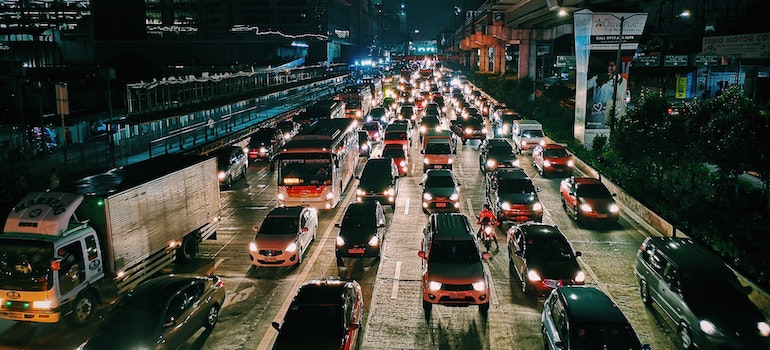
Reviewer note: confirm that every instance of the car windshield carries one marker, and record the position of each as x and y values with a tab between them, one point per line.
279	225
593	191
515	186
555	153
358	223
395	135
439	181
393	153
532	133
461	252
313	321
371	126
603	336
438	148
549	249
26	265
135	314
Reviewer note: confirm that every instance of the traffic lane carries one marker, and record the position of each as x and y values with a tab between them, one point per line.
609	254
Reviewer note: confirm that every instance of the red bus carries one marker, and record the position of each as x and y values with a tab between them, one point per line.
315	167
358	101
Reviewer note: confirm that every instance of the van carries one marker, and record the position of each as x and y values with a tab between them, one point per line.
703	297
527	134
581	317
452	271
437	154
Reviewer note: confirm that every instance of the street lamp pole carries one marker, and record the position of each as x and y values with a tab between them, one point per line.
615	76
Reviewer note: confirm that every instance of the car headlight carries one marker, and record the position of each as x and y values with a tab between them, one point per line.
402	164
389	192
221	175
450	161
434	286
708	327
41	304
580	277
374	241
764	329
483	131
291	248
455	196
426	160
546	163
330	196
586	208
360	192
423	129
468	130
533	276
537	206
427	196
281	197
505	206
491	163
570	163
262	150
479	286
252	247
542	142
614	208
340	241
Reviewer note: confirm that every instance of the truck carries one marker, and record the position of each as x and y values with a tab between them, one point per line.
64	253
527	134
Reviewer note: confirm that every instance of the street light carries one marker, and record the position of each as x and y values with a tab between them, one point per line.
615	76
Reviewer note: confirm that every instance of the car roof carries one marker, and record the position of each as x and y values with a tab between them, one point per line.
541	231
552	145
365	207
164	286
323	291
589	305
292	211
450	226
689	256
511	173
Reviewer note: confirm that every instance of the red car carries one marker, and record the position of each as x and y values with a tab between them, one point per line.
374	128
586	198
551	159
400	157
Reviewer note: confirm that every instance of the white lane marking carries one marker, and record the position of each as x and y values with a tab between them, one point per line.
406	206
307	265
470	207
492	290
396	276
460	170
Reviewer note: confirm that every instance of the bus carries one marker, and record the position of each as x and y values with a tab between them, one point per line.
315	167
358	101
322	109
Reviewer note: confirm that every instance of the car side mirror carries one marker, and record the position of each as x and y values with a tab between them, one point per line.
578	253
646	347
305	229
421	254
520	252
169	323
276	326
422	152
538	189
357	177
614	194
338	225
255	228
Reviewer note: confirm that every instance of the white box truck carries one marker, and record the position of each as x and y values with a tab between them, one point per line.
527	134
63	253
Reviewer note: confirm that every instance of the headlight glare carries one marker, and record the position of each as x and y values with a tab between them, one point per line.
479	286
291	248
434	286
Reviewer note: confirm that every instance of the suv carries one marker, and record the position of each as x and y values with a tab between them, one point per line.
378	181
584	317
361	232
440	191
452	271
542	259
232	164
552	158
437	154
496	153
701	294
265	143
587	198
512	196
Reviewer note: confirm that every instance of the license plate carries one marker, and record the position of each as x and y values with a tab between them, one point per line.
356	250
552	283
440	205
601	215
270	258
437	166
456	296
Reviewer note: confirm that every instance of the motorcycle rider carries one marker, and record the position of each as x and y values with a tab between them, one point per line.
487	216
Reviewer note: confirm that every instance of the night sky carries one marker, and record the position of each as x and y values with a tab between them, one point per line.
429	16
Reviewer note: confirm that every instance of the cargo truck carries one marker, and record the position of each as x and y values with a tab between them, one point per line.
64	253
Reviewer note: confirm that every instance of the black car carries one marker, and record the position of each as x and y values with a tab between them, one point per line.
512	196
361	232
542	259
470	128
324	314
288	129
378	181
265	143
496	153
429	123
161	313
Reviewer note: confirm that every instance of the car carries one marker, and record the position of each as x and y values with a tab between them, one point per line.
552	158
505	119
437	154
512	196
284	236
496	153
378	114
541	258
232	164
362	232
400	156
452	270
587	198
163	312
364	143
700	293
265	143
469	129
440	191
407	112
324	314
583	317
432	108
429	122
288	128
378	181
399	134
374	129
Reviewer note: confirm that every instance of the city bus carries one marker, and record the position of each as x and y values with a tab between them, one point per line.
358	101
315	167
322	109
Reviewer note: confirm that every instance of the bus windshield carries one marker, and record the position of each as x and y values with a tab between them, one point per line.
304	171
26	265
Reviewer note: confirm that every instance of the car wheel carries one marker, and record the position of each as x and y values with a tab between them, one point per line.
644	293
484	308
426	306
684	336
245	168
83	309
188	250
575	214
229	181
212	317
340	262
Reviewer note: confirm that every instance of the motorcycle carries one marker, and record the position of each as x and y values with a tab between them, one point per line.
486	233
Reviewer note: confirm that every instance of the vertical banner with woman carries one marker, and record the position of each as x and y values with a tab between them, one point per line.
601	39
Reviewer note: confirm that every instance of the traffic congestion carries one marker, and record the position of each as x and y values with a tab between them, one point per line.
428	216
